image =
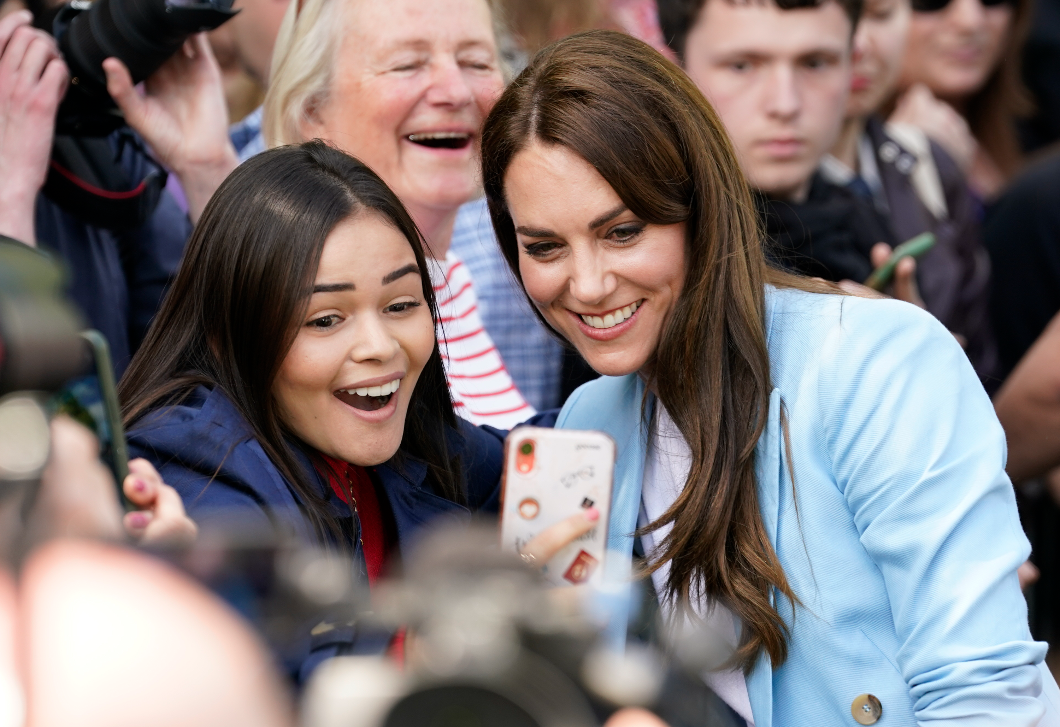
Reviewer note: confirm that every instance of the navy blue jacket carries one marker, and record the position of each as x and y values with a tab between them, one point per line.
117	279
204	448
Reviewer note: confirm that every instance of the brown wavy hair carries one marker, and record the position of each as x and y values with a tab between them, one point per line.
647	129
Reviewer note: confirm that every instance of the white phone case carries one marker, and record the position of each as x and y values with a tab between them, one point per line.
568	470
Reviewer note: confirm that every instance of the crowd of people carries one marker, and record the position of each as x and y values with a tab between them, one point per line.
652	218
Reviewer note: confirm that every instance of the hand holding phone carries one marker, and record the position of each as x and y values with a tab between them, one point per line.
915	247
549	475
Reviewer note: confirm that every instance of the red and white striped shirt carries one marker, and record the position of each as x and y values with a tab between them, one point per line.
482	390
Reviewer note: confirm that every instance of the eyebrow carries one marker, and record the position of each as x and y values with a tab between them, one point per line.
598	222
410	269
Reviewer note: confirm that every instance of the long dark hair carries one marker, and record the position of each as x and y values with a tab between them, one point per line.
243	287
646	128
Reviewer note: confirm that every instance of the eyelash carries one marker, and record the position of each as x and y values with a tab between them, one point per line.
622	235
331	318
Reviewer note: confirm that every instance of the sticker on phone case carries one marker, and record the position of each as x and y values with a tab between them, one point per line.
529	508
582	567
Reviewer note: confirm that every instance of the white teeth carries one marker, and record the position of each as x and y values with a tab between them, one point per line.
611	319
382	390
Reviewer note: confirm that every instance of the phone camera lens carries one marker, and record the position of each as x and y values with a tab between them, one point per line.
527	448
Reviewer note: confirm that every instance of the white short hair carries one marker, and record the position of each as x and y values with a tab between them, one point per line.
303	64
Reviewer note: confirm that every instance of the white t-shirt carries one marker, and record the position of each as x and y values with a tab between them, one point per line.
666	470
482	390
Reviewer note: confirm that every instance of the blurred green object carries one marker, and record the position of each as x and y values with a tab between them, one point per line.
914	248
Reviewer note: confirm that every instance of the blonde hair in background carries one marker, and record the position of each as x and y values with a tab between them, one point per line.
304	59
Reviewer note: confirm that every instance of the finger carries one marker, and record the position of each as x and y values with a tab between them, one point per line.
121	89
55	81
38	54
171	524
139	491
555	538
1028	574
12	22
14	53
135	523
634	717
879	254
905	287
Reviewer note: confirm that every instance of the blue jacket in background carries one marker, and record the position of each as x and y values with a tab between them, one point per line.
204	448
117	279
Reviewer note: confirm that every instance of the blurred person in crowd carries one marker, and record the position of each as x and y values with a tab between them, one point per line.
117	275
779	77
1022	234
915	185
404	86
788	455
962	84
293	380
1028	406
253	36
1041	74
243	94
95	634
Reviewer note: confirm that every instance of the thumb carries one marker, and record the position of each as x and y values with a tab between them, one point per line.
121	89
905	287
879	254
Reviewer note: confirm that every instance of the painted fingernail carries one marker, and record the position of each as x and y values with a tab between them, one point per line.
138	520
592	514
140	486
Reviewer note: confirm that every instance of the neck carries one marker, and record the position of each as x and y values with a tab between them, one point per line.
437	228
846	147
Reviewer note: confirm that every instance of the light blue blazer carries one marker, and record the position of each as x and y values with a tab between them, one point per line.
905	541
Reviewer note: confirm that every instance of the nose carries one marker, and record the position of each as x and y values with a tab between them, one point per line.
783	99
591	277
966	14
449	86
373	341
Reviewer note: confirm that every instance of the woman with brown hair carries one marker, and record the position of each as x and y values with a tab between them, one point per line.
820	474
962	75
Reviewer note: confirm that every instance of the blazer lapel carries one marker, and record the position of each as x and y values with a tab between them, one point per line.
769	464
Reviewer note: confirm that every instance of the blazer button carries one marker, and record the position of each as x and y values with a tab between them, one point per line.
866	709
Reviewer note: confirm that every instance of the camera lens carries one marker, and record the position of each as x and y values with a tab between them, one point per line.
142	34
527	448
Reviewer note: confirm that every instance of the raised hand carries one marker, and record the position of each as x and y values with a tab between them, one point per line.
33	79
182	116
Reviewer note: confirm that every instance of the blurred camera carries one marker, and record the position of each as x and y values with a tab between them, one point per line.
143	34
490	644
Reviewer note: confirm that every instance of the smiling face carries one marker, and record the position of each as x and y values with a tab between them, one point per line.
779	79
413	83
345	385
953	51
879	44
600	276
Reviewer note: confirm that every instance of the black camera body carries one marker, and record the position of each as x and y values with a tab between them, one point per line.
142	34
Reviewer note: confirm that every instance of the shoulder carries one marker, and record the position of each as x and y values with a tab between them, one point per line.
815	335
481	452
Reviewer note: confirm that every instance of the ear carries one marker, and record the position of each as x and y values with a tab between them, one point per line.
311	123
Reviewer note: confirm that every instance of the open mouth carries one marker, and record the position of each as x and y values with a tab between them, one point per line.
441	139
370	398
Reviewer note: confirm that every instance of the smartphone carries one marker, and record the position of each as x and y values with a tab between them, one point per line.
914	247
549	474
92	400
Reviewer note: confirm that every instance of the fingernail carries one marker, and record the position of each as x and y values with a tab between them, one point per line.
140	486
592	514
138	520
